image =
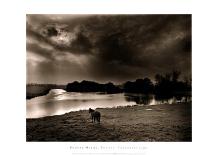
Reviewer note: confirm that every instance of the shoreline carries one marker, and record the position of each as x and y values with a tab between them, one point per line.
131	123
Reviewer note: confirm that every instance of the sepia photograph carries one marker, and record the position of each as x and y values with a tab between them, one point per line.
108	78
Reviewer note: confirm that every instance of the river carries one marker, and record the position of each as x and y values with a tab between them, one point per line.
58	102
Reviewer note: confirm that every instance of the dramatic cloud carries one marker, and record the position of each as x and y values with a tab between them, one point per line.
64	48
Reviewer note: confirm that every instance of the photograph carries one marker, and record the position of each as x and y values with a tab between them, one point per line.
108	78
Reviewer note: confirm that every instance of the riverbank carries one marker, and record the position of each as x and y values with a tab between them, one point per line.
133	123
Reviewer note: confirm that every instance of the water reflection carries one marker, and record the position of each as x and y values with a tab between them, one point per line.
59	102
157	99
139	98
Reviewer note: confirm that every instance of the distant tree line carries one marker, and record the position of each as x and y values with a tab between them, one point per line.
164	84
139	86
167	84
90	86
170	84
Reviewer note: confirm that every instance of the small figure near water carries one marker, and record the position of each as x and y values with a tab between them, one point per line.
95	115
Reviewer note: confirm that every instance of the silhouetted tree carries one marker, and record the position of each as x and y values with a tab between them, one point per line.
139	86
175	75
170	84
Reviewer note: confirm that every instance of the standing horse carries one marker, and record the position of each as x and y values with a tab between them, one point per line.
95	115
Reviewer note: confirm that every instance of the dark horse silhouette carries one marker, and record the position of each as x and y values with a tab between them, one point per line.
95	115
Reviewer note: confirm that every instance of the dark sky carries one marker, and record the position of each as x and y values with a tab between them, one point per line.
102	48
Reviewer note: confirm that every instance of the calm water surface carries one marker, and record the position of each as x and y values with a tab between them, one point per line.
59	102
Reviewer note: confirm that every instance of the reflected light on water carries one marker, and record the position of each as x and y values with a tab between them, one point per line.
58	102
153	102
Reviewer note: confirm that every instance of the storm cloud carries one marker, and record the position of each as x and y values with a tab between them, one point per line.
102	48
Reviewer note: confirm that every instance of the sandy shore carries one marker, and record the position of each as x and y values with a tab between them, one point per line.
136	123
